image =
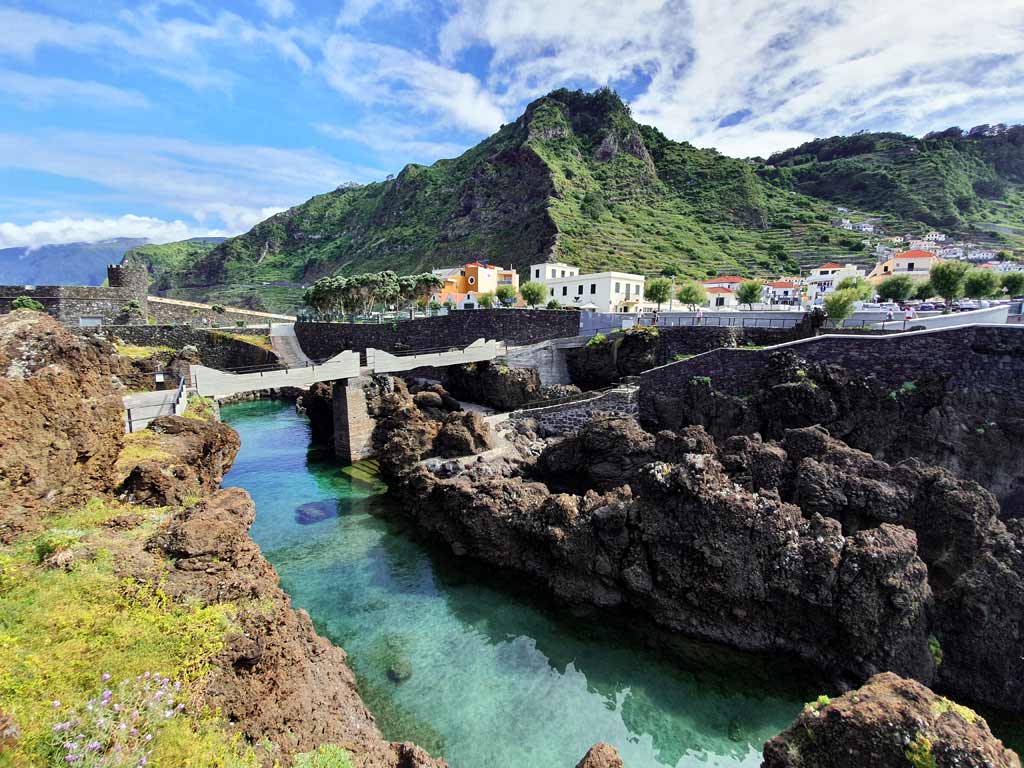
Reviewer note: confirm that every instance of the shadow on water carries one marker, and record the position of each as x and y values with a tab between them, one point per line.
478	669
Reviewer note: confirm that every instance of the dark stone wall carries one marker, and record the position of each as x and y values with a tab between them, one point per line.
976	357
458	328
70	303
215	350
694	340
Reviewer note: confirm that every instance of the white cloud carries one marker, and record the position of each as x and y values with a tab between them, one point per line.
393	139
85	230
205	181
40	92
277	9
384	76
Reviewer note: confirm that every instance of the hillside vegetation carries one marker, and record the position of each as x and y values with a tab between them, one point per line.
575	178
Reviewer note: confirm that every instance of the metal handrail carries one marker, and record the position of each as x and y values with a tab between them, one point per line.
159	406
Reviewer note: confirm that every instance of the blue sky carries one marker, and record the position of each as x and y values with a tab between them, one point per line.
182	117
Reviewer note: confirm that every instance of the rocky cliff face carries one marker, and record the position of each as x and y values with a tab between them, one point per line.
61	420
284	688
801	545
888	723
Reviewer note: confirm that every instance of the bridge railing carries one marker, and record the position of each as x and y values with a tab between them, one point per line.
139	416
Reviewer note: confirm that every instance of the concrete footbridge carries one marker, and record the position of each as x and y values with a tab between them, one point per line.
211	382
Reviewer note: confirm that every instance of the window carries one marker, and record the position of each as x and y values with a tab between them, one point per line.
88	322
618	288
563	273
553	274
720	301
565	290
910	266
593	288
472	281
536	273
628	288
579	289
552	291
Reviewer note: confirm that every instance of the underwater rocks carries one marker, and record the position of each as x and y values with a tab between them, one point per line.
315	512
888	723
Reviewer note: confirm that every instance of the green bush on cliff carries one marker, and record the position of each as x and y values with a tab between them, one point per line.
26	302
324	756
597	340
61	627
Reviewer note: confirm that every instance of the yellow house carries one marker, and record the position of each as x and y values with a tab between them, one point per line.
475	278
913	264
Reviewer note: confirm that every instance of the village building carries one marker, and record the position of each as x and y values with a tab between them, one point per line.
597	291
824	279
781	292
463	285
913	264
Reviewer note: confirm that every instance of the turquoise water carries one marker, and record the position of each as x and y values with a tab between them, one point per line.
496	680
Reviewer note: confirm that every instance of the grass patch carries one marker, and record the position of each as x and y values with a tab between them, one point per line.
200	408
139	447
133	352
324	756
60	628
946	705
254	340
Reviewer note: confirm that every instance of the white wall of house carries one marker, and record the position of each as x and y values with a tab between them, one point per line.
540	273
608	291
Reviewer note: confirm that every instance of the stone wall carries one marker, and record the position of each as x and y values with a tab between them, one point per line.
981	356
458	328
694	340
215	349
70	303
566	418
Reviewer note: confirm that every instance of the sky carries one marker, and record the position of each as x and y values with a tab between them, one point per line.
179	118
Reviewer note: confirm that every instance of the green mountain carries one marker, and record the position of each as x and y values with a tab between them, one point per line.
575	178
948	178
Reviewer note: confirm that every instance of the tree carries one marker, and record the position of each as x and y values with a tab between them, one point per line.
1013	283
839	305
947	279
981	284
533	293
924	291
896	288
860	287
553	304
658	290
485	300
26	302
218	309
507	294
749	293
692	293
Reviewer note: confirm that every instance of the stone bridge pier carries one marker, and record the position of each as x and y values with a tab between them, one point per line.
353	425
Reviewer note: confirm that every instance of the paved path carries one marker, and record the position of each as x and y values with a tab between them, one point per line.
286	345
143	407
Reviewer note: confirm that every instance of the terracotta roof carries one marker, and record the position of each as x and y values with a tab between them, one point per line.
724	279
830	265
781	284
915	255
718	290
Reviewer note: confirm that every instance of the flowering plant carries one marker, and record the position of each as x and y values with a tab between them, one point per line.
116	727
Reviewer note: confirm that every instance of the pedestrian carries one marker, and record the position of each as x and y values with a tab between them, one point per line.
700	316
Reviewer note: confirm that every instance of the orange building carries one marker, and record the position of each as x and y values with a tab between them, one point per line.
462	284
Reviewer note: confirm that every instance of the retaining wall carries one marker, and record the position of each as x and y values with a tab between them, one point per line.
458	328
167	311
567	418
973	356
70	303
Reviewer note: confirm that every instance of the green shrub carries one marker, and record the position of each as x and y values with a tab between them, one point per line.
919	752
324	756
26	302
935	649
597	340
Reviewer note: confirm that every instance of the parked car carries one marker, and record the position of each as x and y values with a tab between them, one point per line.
927	308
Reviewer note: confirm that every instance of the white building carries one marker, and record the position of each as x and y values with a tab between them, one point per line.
781	292
935	237
864	226
721	298
980	254
824	279
600	291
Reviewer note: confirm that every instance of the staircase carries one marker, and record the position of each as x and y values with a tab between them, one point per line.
286	345
366	473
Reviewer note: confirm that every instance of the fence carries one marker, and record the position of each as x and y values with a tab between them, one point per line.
138	416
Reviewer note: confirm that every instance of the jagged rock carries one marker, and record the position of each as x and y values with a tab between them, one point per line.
61	417
497	386
318	405
190	459
888	723
601	755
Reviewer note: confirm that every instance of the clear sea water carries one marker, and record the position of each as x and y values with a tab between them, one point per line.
497	679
